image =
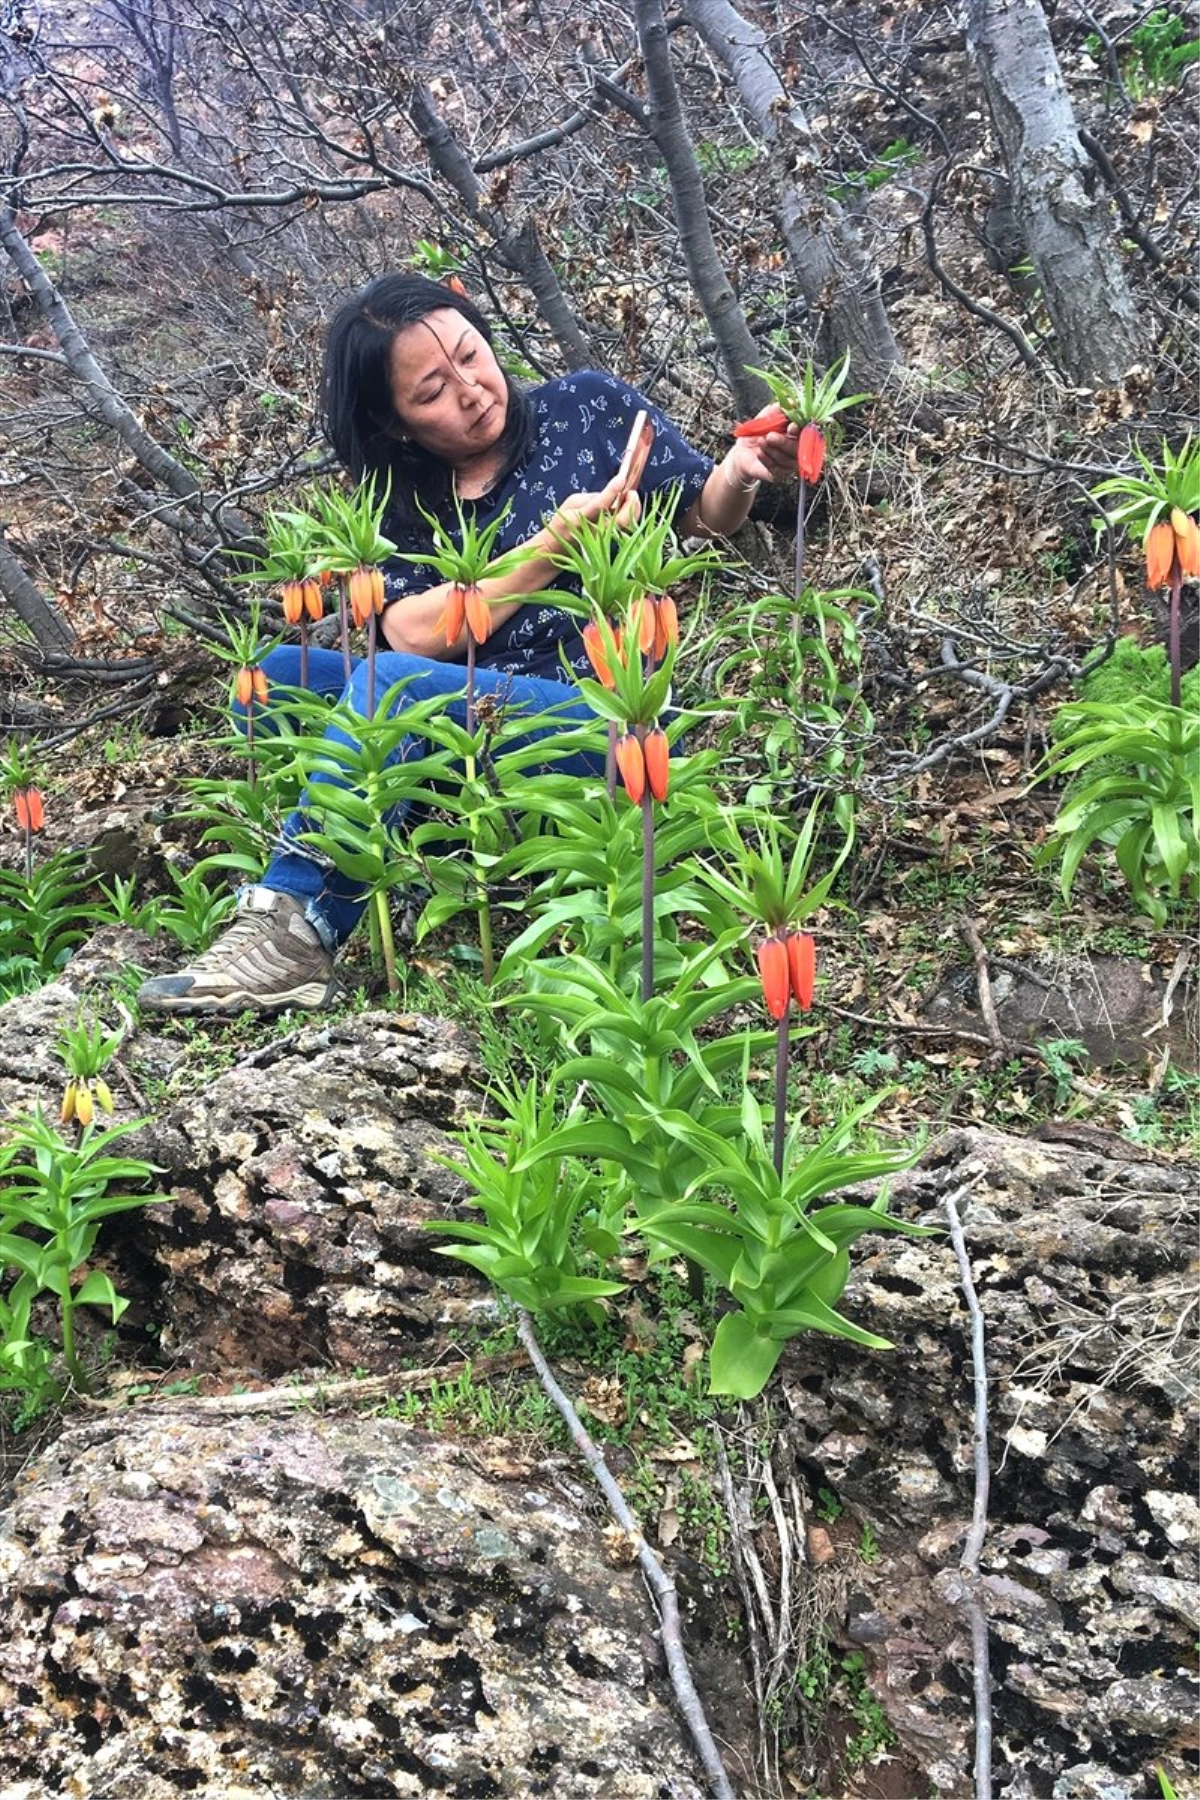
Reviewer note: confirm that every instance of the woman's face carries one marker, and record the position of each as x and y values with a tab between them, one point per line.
447	387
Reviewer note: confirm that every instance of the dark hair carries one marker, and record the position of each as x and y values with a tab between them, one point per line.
357	412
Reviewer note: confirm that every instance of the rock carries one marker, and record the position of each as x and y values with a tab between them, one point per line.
1084	1267
301	1184
315	1607
1113	1005
31	1070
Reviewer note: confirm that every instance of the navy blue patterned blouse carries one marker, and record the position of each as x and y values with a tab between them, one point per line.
583	421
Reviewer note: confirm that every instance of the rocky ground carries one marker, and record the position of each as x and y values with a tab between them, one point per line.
335	1603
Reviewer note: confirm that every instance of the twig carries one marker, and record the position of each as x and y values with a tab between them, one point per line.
983	981
972	1549
315	1393
659	1582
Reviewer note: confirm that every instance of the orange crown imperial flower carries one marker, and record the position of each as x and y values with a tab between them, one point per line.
772	959
656	754
643	616
597	654
250	684
802	967
810	453
479	615
632	764
29	808
366	593
774	419
666	625
1160	554
455	614
291	598
1187	541
314	600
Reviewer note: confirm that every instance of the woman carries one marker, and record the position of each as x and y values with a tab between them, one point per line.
412	392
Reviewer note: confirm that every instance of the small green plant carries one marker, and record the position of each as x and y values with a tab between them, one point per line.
1064	1058
892	160
196	912
54	1196
874	1736
86	1050
43	916
868	1545
1157	52
829	1508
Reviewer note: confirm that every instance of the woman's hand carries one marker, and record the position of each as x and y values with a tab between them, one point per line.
615	498
768	458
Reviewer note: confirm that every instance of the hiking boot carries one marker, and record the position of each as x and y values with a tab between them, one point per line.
269	958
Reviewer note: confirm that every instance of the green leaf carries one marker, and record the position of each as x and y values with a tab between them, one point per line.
742	1360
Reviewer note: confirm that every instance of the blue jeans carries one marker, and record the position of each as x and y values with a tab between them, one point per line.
333	902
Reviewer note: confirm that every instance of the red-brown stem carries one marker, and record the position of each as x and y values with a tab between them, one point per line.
647	894
781	1086
344	612
371	666
304	653
801	507
28	845
1173	632
470	682
250	741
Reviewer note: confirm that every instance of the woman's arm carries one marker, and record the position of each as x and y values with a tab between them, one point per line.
416	623
725	500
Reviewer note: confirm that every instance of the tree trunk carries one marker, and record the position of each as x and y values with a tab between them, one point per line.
1065	230
668	128
41	617
519	248
830	265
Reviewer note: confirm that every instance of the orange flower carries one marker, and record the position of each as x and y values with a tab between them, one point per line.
774	419
258	684
597	655
324	577
666	625
1187	541
366	593
772	959
632	765
455	613
656	754
810	453
1160	554
243	685
642	615
314	602
29	809
291	598
479	614
455	285
802	967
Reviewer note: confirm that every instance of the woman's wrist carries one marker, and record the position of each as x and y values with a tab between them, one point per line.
737	482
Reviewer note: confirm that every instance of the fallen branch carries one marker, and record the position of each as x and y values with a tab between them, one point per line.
313	1393
983	982
972	1549
657	1579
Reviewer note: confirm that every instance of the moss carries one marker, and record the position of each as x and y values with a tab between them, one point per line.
1136	671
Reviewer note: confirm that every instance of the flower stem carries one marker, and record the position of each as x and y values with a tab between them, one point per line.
470	684
781	1085
610	761
485	938
28	848
1173	633
344	616
304	653
251	763
801	509
647	896
371	666
387	942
